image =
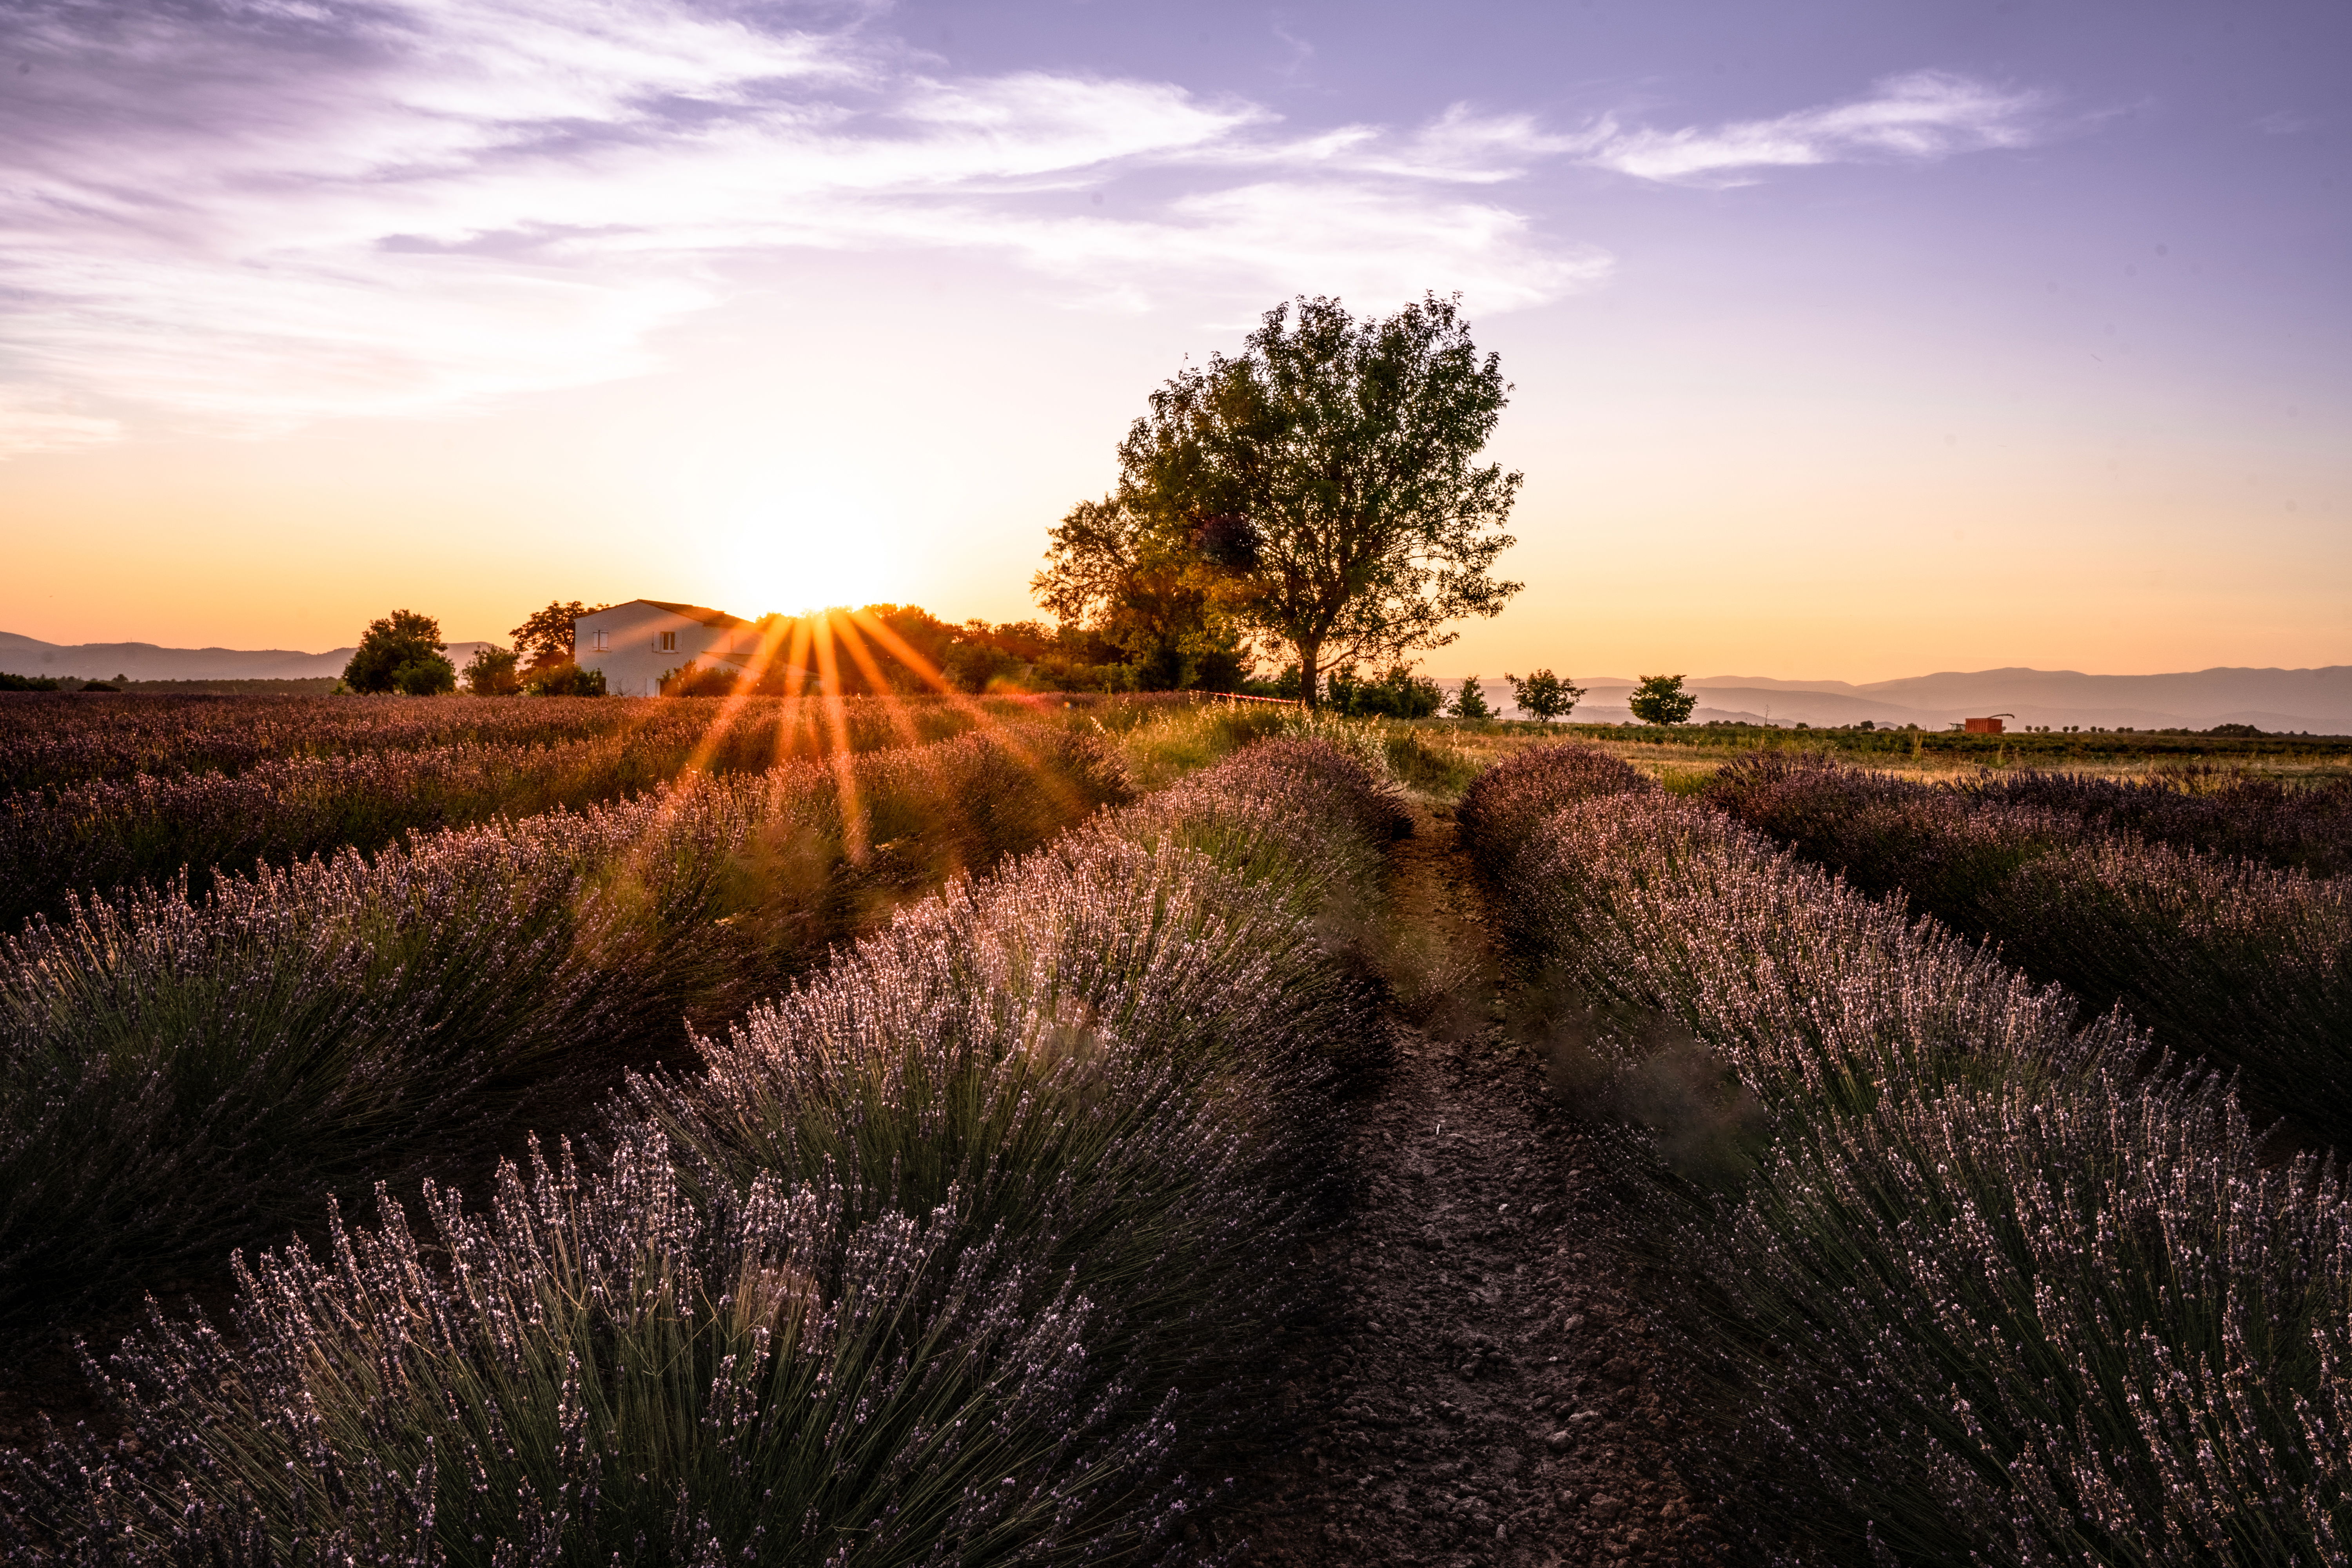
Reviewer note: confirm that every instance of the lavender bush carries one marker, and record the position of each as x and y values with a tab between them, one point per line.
1989	1294
2246	965
179	1073
951	1255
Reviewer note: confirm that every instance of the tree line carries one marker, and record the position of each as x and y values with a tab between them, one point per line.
1314	502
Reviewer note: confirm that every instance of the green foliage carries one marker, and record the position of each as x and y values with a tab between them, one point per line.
545	638
1661	699
398	653
491	671
26	682
430	675
1398	694
1144	591
1470	701
565	679
1544	694
1322	483
701	680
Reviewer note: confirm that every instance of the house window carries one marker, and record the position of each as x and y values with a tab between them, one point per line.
669	642
599	641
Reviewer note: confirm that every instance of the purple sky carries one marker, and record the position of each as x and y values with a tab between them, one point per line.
1812	309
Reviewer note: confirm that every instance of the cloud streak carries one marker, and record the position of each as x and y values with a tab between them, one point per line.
1920	117
241	216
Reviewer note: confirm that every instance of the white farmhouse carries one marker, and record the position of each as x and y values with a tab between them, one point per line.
638	644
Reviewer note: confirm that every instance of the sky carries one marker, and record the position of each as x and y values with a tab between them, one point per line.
1848	341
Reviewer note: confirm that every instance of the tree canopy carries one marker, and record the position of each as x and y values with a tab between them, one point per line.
1144	590
402	652
1319	488
1544	694
544	638
1661	699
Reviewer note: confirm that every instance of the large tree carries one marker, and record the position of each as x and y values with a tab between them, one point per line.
1326	479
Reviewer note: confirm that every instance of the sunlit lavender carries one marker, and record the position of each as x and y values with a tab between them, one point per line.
952	1255
1993	1291
181	1072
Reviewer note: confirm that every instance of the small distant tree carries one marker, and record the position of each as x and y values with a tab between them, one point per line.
402	652
491	671
1470	702
1661	699
1544	694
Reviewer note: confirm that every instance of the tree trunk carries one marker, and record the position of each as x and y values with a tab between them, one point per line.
1309	687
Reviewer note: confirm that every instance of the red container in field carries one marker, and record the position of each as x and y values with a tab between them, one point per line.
1983	726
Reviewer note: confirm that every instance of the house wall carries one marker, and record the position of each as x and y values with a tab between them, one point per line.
633	656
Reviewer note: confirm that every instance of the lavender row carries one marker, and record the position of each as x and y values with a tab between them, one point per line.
181	1072
958	1254
2296	827
110	833
1965	1283
2244	965
48	743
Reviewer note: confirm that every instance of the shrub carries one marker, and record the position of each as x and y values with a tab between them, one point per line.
1398	694
956	1254
565	679
1987	1294
699	680
491	671
178	1074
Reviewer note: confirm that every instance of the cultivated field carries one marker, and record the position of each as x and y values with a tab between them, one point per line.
687	1131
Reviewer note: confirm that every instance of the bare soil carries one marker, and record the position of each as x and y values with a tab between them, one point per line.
1481	1389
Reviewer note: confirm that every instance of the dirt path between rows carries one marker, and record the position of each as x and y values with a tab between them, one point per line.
1481	1389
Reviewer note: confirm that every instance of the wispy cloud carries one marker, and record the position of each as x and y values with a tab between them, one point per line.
240	216
1920	117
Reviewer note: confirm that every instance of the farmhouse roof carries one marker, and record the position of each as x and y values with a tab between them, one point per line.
708	617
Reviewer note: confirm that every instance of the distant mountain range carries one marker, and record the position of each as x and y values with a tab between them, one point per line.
145	661
2318	701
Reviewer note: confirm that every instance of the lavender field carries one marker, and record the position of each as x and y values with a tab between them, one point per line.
967	1132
